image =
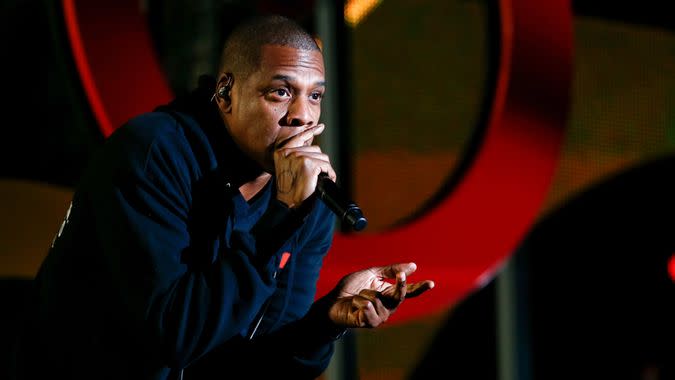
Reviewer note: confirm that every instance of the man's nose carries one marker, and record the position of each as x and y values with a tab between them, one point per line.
299	113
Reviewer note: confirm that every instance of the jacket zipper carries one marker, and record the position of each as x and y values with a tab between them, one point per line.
282	264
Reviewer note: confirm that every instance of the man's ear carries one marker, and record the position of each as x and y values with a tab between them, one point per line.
223	90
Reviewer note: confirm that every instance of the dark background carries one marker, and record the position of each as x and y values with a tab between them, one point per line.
595	299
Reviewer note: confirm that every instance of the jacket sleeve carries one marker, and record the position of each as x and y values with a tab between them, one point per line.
303	348
141	213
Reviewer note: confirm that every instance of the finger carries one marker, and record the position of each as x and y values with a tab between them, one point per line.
389	301
370	318
308	149
321	158
323	165
331	173
397	290
418	288
369	294
345	313
384	304
390	271
383	312
366	315
303	138
320	164
401	288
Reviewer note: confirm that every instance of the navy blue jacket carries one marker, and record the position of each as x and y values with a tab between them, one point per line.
161	265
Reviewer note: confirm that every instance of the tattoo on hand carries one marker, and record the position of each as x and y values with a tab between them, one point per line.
285	181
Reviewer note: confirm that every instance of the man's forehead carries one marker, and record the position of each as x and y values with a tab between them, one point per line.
278	57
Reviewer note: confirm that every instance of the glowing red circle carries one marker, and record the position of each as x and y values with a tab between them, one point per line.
462	241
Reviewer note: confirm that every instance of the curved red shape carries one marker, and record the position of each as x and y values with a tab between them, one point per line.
116	60
460	243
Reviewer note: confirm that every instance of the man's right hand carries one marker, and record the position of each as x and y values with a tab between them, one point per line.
366	299
298	164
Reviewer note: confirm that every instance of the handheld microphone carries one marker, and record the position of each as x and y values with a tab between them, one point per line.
346	209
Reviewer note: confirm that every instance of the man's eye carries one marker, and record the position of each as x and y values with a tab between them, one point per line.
316	96
281	92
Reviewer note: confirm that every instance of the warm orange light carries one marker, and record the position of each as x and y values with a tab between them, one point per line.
319	42
356	10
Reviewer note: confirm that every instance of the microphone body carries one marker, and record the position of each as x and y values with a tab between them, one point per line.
346	209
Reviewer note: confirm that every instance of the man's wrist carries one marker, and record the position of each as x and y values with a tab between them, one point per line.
337	333
320	319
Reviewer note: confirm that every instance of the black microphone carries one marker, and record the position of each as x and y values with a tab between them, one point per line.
346	209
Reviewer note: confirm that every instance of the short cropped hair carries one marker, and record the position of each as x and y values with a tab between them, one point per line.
242	50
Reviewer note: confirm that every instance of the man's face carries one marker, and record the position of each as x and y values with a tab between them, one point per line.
279	100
